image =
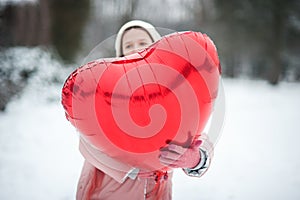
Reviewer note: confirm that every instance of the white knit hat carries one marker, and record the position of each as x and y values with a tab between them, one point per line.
146	26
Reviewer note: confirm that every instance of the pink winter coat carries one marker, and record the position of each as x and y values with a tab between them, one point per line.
104	178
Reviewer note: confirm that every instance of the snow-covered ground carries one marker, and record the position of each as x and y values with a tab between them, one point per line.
257	156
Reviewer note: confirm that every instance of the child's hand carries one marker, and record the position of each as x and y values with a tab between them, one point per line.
176	156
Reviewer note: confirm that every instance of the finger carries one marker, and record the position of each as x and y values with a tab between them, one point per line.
197	143
176	148
170	155
169	163
165	148
165	161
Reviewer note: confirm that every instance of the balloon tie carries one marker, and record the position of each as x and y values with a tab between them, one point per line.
160	178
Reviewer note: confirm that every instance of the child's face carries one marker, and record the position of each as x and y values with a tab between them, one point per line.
134	40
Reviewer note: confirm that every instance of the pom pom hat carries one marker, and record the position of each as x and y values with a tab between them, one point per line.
155	36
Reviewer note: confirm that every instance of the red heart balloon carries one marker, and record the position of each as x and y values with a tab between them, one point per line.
130	107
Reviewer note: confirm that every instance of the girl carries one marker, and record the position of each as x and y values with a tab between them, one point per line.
104	178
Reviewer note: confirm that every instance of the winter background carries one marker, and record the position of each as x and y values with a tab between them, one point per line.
256	157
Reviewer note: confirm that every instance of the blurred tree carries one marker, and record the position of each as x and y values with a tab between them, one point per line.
106	18
292	42
259	30
25	24
68	18
200	12
222	21
47	22
273	33
130	10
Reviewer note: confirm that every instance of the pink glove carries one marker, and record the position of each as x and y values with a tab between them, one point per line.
176	156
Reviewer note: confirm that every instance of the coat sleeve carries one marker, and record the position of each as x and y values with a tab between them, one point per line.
114	168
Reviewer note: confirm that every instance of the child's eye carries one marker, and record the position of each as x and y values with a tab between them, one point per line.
128	46
143	43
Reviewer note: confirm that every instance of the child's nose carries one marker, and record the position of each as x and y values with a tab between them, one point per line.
136	48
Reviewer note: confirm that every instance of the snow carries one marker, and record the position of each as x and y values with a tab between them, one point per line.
257	155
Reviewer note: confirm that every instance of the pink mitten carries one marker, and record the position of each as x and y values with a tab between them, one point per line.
176	156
